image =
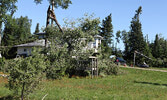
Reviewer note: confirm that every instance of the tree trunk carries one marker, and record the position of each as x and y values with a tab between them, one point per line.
58	24
47	23
22	91
53	17
53	11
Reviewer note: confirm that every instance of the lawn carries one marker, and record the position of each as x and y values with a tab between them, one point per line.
133	84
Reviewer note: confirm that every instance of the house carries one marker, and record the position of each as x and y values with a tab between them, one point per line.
41	35
95	45
25	49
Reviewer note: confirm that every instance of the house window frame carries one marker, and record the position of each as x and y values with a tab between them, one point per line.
25	50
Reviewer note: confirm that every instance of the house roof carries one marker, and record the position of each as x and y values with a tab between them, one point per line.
98	36
42	33
38	43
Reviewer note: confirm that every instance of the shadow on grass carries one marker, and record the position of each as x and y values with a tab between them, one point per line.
9	98
157	84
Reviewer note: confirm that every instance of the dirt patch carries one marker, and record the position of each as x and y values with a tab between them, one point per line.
3	80
147	69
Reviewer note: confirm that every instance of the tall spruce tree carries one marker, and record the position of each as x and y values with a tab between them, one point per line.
107	34
136	39
156	48
16	31
37	28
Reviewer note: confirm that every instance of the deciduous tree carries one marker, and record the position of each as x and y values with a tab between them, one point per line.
26	73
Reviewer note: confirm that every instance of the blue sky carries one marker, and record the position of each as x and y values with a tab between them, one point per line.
153	18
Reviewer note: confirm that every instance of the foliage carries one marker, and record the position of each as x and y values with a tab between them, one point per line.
17	30
89	24
64	4
159	47
57	57
107	34
107	30
26	73
107	67
125	39
136	39
7	6
37	28
118	36
73	42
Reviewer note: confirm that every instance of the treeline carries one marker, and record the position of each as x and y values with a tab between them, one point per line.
135	41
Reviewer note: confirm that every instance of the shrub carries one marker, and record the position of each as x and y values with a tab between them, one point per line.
107	67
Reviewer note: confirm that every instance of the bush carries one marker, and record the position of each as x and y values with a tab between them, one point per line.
107	67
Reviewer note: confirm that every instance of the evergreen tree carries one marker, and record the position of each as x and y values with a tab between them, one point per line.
156	48
125	39
24	28
136	39
9	33
118	36
107	34
37	28
165	49
16	31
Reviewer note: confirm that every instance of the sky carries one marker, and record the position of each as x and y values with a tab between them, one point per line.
153	17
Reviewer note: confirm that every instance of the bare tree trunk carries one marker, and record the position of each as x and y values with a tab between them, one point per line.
48	15
53	11
22	91
47	23
53	16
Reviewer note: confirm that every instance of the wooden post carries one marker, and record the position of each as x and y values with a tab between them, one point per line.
92	69
97	67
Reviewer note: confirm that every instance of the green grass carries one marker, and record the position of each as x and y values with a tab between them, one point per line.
132	85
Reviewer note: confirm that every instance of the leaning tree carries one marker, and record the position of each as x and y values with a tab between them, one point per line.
64	4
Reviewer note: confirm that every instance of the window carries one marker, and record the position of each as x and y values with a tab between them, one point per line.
25	50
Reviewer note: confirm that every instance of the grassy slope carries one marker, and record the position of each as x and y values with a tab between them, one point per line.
134	85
